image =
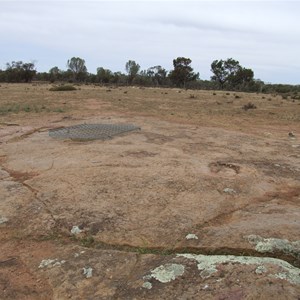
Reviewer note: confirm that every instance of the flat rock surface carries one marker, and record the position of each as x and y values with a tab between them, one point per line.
176	210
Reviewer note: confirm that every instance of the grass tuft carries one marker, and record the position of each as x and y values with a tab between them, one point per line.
62	88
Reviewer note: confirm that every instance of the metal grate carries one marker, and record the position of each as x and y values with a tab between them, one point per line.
92	131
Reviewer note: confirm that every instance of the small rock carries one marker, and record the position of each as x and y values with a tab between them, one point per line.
191	236
229	191
51	263
76	230
147	285
87	272
260	270
291	134
3	220
78	254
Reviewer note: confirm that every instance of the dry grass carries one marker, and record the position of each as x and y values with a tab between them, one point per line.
204	108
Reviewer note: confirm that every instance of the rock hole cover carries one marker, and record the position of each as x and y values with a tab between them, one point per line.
92	131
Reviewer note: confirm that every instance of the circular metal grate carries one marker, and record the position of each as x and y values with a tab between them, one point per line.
92	131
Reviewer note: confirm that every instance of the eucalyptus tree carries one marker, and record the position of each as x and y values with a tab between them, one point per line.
76	65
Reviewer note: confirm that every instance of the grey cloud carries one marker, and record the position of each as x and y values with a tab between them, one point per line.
261	33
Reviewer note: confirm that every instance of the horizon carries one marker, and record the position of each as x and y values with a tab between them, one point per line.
260	35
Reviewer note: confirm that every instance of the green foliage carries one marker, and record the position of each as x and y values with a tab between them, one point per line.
182	72
62	88
104	75
229	73
145	250
15	108
55	74
132	68
77	66
87	241
17	71
157	74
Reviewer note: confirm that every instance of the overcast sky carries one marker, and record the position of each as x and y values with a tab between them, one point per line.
261	35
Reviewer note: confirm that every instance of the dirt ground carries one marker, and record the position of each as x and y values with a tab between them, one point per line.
202	203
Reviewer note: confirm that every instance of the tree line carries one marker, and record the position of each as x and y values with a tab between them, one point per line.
227	74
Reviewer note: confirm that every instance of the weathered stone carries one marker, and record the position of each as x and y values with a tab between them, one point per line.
76	230
191	236
167	273
88	272
270	245
231	186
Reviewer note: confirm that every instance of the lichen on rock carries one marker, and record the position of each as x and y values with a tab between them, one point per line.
51	263
76	230
88	272
147	285
191	236
3	220
166	273
265	245
207	264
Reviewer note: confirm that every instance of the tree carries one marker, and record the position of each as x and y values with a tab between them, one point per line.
55	74
132	68
28	71
241	78
157	74
119	78
229	72
17	71
77	66
104	75
2	76
182	72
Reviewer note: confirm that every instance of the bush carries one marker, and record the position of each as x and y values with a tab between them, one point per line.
249	106
296	97
62	88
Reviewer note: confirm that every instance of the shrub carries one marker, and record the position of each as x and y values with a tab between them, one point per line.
296	97
237	97
249	105
62	88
